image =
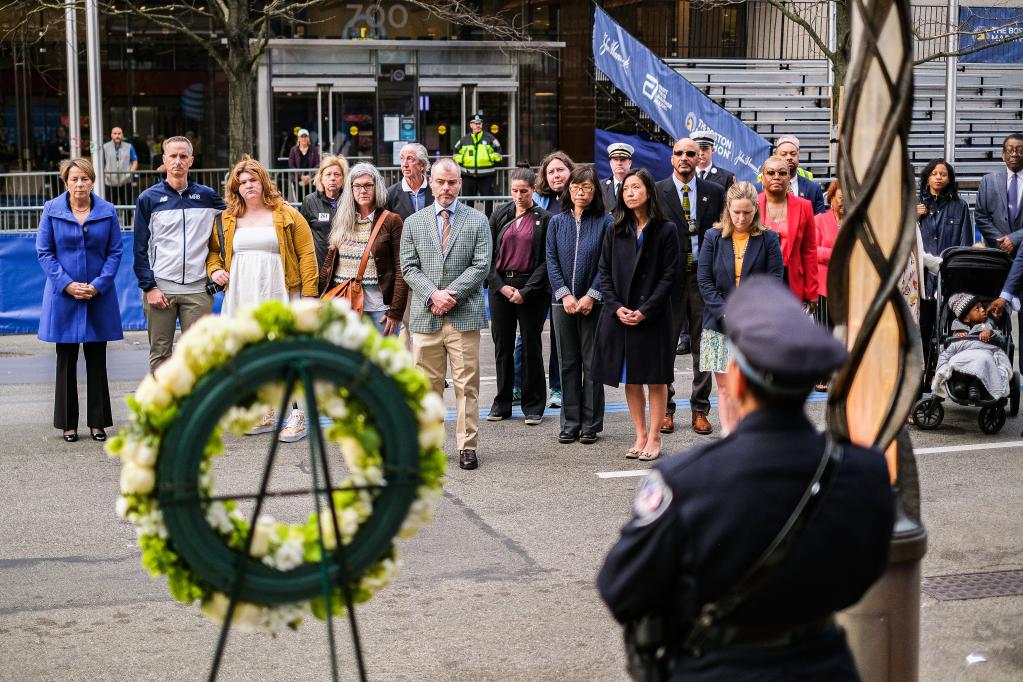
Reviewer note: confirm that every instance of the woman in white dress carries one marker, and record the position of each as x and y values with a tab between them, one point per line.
268	254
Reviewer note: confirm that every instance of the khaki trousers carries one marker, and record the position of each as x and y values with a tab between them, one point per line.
160	322
432	353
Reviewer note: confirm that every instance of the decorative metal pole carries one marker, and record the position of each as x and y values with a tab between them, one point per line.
73	98
95	92
872	396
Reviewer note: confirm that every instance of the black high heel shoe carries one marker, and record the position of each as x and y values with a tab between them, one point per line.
99	434
71	437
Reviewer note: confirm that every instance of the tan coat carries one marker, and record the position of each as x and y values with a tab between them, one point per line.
297	251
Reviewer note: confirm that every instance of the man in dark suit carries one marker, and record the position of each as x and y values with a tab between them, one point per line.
619	157
705	168
412	193
702	518
694	206
1000	220
802	183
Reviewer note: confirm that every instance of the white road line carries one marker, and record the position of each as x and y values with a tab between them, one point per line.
919	451
622	474
967	448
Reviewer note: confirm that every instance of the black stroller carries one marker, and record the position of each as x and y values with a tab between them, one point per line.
981	272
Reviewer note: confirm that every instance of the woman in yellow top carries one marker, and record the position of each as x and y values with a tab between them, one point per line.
738	246
268	253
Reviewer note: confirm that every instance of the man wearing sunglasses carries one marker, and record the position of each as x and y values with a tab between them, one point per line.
694	205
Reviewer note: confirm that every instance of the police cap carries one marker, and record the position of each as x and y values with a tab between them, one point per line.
620	149
704	138
476	119
775	343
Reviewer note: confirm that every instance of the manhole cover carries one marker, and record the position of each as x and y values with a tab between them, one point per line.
974	585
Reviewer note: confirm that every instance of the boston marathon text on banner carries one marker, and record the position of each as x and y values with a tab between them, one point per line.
671	101
991	26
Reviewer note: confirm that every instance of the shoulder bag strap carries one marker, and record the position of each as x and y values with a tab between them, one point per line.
219	222
707	630
369	246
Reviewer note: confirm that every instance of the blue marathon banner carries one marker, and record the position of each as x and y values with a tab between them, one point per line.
671	101
653	156
999	27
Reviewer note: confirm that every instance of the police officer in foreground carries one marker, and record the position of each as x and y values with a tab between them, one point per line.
705	168
478	154
692	578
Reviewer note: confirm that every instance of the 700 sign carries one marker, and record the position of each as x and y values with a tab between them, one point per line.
375	16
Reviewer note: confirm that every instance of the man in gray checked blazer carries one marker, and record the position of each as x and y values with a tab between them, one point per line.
445	257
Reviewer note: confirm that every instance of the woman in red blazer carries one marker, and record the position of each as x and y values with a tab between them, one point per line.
792	218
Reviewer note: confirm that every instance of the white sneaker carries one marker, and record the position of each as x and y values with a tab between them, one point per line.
266	425
295	429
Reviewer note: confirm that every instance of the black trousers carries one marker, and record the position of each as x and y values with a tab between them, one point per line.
687	305
65	400
529	317
478	185
582	398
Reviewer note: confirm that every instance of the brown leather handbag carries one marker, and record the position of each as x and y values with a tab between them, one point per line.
352	288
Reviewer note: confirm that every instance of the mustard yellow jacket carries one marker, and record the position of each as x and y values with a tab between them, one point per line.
296	243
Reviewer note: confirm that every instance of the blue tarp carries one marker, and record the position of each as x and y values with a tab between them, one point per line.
677	106
653	156
22	282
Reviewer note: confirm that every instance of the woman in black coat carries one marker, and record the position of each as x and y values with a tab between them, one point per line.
738	247
520	296
638	264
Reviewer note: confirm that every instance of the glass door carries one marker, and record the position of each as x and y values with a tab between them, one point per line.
352	124
499	111
440	119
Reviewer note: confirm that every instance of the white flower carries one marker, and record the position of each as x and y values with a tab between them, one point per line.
218	518
138	453
349	520
123	505
246	617
431	408
136	480
151	394
238	420
151	524
341	305
327	529
307	314
353	335
175	376
374	475
261	535
336	408
432	436
289	555
245	328
352	452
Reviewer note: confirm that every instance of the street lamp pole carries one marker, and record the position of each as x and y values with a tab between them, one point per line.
73	114
95	92
950	81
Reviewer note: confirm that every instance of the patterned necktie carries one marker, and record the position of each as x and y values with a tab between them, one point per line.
1013	198
686	207
445	230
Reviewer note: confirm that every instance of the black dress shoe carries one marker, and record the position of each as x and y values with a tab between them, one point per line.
467	459
588	438
683	347
70	437
99	434
567	437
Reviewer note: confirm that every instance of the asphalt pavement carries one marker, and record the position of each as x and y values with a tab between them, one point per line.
500	586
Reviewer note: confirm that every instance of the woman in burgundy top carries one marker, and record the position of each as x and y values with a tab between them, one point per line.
519	296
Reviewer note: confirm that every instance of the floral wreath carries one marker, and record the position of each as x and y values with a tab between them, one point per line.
209	345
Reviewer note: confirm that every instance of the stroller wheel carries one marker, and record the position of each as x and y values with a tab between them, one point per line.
991	419
928	413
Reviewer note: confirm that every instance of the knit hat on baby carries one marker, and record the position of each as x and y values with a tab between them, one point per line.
960	304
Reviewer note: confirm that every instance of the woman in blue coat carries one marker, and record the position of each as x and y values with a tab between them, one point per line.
943	216
739	246
79	249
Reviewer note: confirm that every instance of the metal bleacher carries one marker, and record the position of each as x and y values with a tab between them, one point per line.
775	98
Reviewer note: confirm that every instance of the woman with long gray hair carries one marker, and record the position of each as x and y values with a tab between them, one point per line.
362	223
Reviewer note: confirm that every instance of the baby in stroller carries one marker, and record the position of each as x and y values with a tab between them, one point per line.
973	366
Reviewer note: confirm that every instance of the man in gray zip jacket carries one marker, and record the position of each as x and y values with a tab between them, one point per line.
173	222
